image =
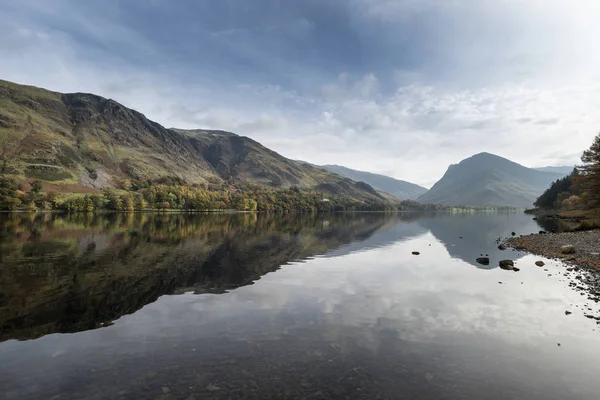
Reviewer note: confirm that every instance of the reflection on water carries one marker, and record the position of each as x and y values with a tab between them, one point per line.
77	272
309	306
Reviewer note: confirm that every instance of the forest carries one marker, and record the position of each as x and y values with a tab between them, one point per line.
580	189
173	193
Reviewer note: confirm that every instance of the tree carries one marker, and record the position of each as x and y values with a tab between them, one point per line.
138	202
589	177
127	202
36	186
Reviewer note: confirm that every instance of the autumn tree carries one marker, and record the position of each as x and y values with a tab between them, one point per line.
589	177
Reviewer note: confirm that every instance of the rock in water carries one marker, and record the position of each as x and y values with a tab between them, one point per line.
501	247
483	260
540	263
516	269
513	233
507	264
212	388
567	249
415	253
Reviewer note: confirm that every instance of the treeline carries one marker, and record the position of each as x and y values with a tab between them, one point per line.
175	194
579	190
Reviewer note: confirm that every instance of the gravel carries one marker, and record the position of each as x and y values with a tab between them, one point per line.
587	247
583	266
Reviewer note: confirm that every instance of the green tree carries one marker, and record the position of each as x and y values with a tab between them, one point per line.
589	179
127	202
138	202
36	186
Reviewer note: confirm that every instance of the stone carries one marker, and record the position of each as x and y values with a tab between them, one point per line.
516	269
507	264
567	249
540	263
568	313
513	233
501	247
165	390
483	260
212	388
415	253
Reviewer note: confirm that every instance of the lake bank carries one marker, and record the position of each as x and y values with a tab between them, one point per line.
586	247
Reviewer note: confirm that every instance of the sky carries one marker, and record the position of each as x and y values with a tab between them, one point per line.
398	87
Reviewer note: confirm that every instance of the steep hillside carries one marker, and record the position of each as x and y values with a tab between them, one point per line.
486	180
398	188
82	142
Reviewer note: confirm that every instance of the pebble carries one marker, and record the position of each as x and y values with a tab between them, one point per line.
212	388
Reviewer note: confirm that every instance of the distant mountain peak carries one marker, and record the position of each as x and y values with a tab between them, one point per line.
488	180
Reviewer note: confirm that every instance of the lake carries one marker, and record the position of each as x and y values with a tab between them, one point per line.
247	306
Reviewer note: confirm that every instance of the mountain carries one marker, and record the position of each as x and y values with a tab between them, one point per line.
398	188
81	142
566	170
487	180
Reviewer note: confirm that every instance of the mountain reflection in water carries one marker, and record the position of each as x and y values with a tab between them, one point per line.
254	306
67	273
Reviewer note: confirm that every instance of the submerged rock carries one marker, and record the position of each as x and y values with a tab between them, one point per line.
507	264
212	388
567	249
483	260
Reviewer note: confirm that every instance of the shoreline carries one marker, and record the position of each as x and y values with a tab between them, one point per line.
586	244
582	267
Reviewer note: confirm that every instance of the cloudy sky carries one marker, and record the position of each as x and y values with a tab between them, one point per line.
400	87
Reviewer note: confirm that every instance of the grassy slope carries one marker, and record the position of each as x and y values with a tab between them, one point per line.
82	142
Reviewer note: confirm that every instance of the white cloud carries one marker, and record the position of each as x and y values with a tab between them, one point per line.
518	79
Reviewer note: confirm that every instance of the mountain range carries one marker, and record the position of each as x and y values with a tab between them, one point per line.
487	180
401	189
82	142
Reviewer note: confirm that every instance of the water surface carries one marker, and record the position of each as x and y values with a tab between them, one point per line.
176	306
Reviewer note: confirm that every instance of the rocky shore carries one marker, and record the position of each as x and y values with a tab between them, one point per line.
577	248
580	251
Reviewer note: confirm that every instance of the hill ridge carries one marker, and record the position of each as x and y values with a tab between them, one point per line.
489	180
82	142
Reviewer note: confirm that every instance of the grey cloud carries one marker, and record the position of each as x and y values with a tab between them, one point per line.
547	121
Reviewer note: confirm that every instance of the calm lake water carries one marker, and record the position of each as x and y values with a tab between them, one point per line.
244	306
